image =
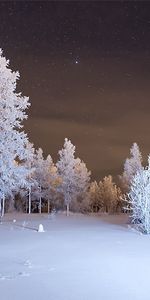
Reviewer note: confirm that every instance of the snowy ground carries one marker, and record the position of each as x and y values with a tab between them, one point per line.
76	258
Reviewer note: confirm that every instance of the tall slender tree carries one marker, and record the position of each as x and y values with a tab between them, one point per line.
82	183
66	169
96	197
74	174
139	199
110	193
131	167
44	175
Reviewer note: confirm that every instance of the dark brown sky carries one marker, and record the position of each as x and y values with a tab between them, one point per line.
86	68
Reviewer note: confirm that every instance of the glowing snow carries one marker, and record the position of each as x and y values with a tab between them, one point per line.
77	258
41	228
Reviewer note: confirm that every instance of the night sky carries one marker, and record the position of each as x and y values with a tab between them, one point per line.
86	68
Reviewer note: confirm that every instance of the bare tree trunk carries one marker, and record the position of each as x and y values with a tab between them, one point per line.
3	206
30	200
26	207
0	205
67	211
40	204
48	206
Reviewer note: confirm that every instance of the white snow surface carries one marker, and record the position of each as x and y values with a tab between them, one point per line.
76	258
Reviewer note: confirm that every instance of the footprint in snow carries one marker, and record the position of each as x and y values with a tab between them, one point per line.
7	277
23	274
28	264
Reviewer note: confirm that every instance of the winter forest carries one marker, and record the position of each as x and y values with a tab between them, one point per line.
31	183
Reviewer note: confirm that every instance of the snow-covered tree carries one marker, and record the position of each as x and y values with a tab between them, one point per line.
38	176
13	140
52	182
45	176
30	180
74	174
110	194
66	169
139	199
131	167
96	197
82	181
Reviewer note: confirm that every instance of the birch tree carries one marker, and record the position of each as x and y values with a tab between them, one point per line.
45	175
